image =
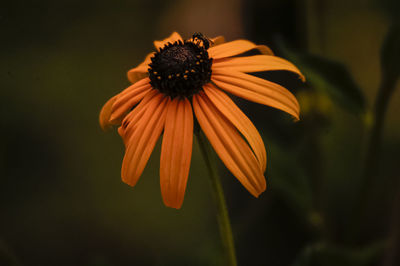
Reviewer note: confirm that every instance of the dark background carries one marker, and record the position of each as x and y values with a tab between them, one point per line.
62	201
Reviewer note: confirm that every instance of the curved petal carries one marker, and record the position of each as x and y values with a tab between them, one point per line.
229	145
128	98
105	114
176	152
130	122
143	139
141	71
171	39
236	47
256	63
229	109
257	90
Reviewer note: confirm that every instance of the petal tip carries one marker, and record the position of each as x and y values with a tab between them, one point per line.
260	192
113	118
128	181
106	113
172	203
296	119
105	126
173	206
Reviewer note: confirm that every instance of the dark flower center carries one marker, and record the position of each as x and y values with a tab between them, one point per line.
181	68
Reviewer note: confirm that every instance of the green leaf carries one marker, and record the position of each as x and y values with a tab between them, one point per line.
329	77
390	54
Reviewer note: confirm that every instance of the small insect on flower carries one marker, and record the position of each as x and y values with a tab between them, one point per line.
183	76
197	36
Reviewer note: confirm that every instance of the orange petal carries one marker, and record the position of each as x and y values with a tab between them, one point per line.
171	39
236	47
105	114
229	145
141	71
256	63
229	109
130	122
257	90
128	98
176	152
143	139
217	40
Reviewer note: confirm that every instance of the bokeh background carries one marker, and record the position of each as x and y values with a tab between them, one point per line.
62	201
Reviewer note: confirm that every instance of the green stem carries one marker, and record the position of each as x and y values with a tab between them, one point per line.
372	157
381	104
394	235
222	211
314	166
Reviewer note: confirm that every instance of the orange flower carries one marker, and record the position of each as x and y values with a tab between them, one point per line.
185	74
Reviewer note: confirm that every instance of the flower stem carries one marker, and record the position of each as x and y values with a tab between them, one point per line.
381	105
371	170
222	211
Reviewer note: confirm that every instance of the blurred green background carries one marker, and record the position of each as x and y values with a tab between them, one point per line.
62	201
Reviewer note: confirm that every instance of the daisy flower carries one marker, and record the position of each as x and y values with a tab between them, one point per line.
183	77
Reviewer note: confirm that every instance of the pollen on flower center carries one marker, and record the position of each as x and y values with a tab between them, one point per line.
180	68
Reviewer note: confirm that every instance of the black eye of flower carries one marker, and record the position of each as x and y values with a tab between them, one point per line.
181	68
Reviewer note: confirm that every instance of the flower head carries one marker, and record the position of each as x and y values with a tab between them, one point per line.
185	75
